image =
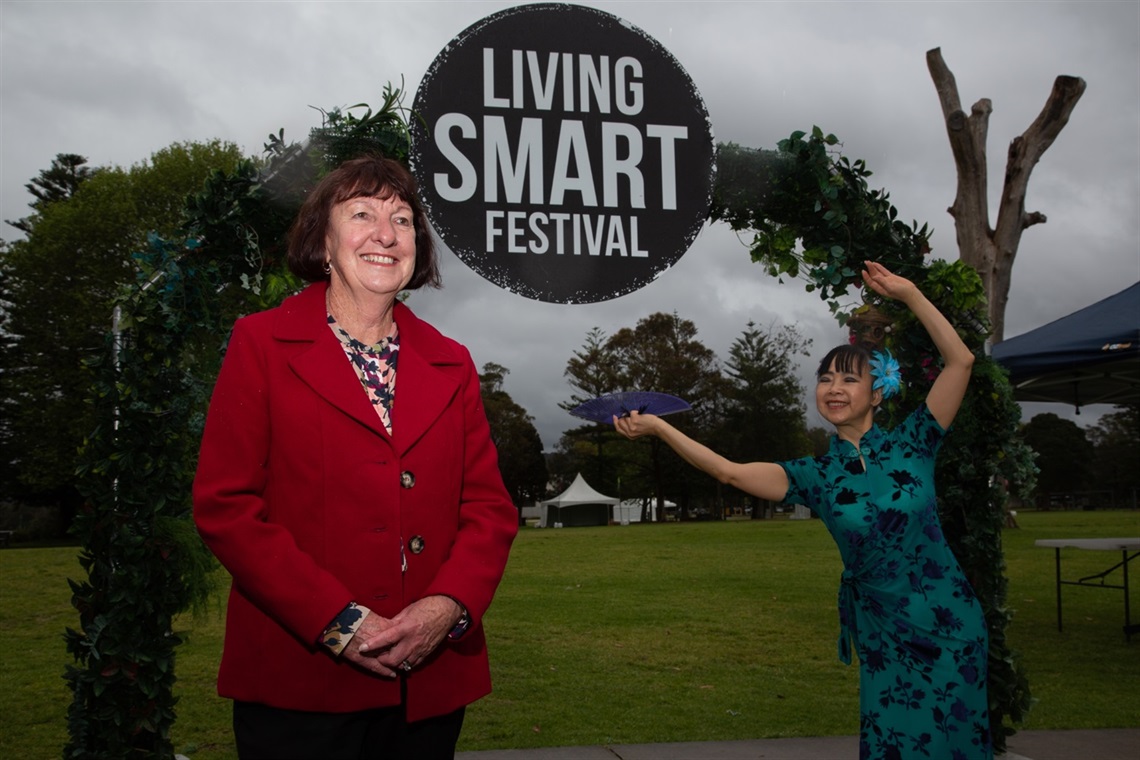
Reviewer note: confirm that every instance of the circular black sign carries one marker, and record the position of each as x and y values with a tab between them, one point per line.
562	153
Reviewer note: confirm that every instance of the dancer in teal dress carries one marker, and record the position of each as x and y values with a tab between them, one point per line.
905	605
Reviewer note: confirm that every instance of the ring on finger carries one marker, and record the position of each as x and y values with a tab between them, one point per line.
405	666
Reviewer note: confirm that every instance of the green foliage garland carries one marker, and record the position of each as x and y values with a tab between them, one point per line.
143	559
815	215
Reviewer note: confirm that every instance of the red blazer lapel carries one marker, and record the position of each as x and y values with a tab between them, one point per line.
424	384
323	366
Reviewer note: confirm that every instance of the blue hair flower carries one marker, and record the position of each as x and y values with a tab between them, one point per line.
885	370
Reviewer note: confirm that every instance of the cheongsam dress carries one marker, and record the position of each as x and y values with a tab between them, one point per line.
904	603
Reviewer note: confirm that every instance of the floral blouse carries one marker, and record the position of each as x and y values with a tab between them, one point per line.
375	366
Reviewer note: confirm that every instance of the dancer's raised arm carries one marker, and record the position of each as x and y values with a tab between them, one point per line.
946	395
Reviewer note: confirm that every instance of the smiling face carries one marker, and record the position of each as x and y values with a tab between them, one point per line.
371	247
845	398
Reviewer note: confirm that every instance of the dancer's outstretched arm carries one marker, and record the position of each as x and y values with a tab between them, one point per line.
764	479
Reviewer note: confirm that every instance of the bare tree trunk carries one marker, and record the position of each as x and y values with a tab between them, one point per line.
990	250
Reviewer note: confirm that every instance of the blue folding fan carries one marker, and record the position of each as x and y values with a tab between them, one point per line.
605	408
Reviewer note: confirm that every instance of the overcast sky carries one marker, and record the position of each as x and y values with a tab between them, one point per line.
116	81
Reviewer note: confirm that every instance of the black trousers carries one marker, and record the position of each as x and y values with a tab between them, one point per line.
271	733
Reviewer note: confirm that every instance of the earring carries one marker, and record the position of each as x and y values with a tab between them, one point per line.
327	268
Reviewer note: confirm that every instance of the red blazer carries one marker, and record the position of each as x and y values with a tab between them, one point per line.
306	500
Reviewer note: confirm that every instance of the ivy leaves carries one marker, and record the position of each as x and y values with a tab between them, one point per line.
817	216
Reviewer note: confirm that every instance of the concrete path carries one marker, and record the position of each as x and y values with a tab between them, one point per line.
1098	744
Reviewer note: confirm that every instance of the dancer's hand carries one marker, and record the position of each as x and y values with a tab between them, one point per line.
636	425
881	280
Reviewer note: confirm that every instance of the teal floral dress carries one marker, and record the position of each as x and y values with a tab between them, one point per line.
904	603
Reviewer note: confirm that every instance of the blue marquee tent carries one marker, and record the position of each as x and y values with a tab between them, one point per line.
1091	356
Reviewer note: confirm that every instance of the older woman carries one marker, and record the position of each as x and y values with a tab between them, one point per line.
905	606
365	537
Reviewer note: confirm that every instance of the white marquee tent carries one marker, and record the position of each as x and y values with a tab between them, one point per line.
578	505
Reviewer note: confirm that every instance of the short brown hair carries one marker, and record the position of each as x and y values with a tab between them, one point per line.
368	176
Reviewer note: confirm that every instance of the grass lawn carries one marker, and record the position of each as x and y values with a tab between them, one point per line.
655	633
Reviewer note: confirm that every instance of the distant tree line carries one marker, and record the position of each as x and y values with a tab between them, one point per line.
1094	467
86	224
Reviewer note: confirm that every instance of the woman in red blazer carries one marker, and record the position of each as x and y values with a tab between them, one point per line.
364	521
